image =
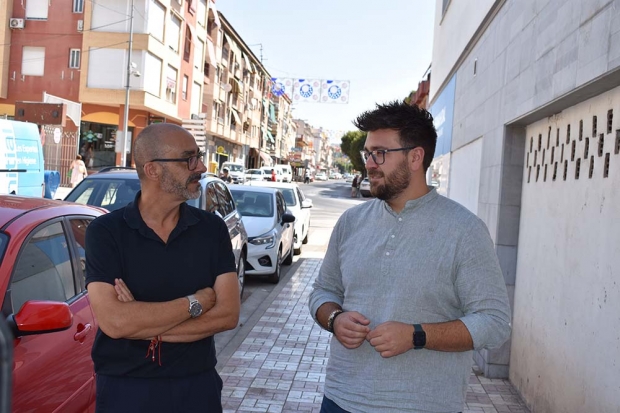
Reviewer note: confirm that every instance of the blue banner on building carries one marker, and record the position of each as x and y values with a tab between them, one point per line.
443	114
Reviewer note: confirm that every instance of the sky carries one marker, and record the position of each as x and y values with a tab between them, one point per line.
382	47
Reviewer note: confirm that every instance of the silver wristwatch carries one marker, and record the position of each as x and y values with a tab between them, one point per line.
331	319
195	308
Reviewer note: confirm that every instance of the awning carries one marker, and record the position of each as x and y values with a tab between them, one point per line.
270	137
248	66
254	68
266	158
236	116
272	113
216	17
227	40
211	52
237	88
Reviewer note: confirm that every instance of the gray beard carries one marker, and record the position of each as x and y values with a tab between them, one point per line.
173	186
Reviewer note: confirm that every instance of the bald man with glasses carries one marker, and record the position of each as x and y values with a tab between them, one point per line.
161	278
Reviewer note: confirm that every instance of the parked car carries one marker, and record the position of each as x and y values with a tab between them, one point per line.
254	175
215	197
287	172
267	172
320	176
113	188
45	302
365	188
270	233
235	170
298	205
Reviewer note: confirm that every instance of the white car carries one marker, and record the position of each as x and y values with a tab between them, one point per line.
270	229
365	188
267	172
254	175
299	205
321	176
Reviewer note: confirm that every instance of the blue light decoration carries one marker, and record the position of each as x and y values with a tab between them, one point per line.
305	90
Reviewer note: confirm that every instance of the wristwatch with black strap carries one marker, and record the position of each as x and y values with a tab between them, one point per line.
331	319
419	337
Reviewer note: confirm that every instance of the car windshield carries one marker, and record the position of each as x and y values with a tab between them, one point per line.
254	172
234	168
111	194
253	204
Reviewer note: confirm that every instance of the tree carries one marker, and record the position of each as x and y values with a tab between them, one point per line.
351	144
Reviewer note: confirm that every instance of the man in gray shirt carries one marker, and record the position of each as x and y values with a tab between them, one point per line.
410	283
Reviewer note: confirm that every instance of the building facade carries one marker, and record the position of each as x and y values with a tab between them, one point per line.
526	100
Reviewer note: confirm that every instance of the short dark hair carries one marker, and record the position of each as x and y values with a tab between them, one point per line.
414	125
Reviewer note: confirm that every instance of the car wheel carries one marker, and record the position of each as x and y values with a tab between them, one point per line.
275	277
289	258
296	251
241	274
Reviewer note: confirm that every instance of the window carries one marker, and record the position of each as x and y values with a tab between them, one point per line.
188	44
173	31
184	90
43	271
33	61
78	6
171	84
195	98
198	53
78	227
152	74
36	9
202	12
74	58
226	203
156	20
216	111
211	199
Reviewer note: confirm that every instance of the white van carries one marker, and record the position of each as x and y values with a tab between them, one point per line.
235	170
287	172
21	159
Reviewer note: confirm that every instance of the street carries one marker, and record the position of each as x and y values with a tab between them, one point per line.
330	199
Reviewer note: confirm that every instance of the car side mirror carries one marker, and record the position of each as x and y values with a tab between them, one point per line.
40	317
307	203
288	218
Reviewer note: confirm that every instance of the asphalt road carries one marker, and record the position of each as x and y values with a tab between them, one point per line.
330	199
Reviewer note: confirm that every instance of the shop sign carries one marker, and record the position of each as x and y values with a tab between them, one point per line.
220	149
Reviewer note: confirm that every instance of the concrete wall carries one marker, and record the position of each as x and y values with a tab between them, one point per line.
453	31
566	337
465	175
534	60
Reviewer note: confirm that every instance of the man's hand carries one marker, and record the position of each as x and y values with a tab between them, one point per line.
391	338
351	329
206	296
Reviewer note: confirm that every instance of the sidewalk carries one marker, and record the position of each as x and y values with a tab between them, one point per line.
280	365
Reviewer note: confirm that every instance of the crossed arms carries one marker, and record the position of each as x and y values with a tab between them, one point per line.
121	316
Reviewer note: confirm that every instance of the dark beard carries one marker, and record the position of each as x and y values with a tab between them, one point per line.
394	185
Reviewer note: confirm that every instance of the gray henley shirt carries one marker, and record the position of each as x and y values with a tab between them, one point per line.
431	263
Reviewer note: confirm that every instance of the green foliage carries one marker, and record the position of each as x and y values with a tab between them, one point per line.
351	144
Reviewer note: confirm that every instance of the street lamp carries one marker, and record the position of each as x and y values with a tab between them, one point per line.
130	70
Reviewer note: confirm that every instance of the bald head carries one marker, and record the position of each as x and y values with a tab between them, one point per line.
157	141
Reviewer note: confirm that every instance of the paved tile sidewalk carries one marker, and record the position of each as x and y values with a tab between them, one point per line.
280	366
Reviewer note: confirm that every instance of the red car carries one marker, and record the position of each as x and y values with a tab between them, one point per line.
46	304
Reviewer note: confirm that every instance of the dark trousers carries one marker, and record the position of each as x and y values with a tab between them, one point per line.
329	406
200	393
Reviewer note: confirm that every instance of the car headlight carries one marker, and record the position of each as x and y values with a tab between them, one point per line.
268	240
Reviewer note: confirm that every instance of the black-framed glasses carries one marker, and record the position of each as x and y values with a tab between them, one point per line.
192	161
378	155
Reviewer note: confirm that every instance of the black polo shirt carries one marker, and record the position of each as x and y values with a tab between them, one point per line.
121	245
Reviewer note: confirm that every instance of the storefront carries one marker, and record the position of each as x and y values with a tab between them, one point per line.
98	143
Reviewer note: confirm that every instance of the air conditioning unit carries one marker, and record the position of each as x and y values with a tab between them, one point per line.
80	25
16	23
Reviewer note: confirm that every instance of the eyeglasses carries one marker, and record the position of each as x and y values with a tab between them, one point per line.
192	161
378	155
